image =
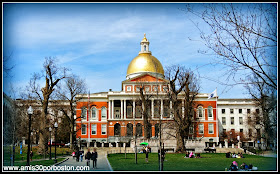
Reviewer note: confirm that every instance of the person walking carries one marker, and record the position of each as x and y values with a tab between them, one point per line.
147	154
88	157
81	156
94	157
31	155
73	154
77	155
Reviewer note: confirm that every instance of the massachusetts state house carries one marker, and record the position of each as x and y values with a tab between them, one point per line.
115	116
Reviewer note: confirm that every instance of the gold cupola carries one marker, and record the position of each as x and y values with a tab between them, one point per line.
144	62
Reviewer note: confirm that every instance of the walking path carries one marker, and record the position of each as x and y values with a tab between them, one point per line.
102	163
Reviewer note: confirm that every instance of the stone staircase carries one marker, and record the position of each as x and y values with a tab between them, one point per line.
232	150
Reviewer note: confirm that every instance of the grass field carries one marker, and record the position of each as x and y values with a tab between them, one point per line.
41	162
23	157
177	162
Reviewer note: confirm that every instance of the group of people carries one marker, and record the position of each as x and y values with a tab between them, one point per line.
192	155
243	166
233	155
89	156
79	155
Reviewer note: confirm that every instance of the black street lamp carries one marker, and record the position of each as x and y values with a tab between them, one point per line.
55	126
80	142
50	129
30	112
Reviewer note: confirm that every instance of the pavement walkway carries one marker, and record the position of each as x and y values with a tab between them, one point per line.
102	163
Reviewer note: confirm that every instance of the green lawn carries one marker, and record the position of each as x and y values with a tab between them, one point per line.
22	158
41	162
177	162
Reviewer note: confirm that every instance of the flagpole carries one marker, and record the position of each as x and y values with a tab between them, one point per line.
88	120
217	125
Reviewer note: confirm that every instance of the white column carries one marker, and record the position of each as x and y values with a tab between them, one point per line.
121	109
110	117
161	109
133	108
113	116
124	113
152	108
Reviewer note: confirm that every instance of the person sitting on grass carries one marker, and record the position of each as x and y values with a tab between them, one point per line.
233	166
241	155
244	166
187	155
228	155
191	155
233	155
198	155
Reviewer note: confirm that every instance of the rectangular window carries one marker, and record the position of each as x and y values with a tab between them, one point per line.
166	111
147	88
231	111
232	120
240	111
137	88
155	88
103	113
93	129
257	111
191	129
223	111
103	129
211	128
241	131
258	119
200	129
84	113
84	129
93	113
250	132
138	111
241	120
248	111
128	88
129	111
224	120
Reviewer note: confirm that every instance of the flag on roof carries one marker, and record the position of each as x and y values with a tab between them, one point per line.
213	94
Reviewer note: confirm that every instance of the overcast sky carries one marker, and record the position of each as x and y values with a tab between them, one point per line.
98	41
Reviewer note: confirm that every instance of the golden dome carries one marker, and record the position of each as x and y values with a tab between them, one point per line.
145	62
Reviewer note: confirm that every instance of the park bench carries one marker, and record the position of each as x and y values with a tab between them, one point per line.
169	149
190	149
210	150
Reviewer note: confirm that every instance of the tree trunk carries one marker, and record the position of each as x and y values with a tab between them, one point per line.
180	146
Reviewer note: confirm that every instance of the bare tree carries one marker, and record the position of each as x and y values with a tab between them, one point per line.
183	85
266	116
68	91
52	74
242	36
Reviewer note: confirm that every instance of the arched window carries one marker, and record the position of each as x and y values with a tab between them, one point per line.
149	127
103	113
145	47
139	132
157	130
84	113
129	130
200	112
117	129
94	113
210	112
